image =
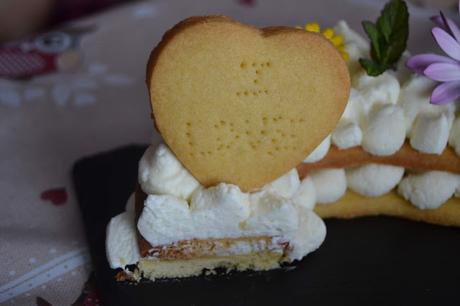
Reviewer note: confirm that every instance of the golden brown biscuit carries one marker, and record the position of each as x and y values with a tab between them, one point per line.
352	205
406	157
242	105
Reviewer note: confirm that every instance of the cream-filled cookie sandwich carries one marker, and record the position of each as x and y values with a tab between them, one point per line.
393	152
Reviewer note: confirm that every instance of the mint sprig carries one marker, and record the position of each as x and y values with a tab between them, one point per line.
388	37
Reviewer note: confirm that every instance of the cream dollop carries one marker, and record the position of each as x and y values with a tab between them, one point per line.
454	136
121	241
347	135
165	219
221	207
309	236
271	215
161	173
320	151
402	73
385	131
286	185
305	195
373	180
131	203
354	111
348	132
430	133
330	185
428	190
383	89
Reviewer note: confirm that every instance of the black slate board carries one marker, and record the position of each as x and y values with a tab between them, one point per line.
368	261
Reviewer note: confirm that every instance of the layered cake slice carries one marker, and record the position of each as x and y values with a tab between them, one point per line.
175	227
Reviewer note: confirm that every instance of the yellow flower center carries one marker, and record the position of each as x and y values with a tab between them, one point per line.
336	39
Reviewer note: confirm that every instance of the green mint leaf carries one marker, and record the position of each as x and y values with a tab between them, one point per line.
375	37
393	24
372	68
388	37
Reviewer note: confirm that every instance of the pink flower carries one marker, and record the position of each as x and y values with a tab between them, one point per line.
444	69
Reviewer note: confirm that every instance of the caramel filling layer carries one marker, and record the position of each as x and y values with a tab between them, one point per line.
406	157
188	249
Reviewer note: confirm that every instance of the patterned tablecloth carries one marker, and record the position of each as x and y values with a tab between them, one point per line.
50	121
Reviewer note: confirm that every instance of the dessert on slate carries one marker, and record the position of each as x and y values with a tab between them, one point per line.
393	152
238	109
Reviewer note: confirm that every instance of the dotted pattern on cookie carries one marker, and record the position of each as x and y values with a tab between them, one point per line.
257	71
269	139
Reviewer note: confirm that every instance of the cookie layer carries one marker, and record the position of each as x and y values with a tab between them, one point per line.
242	105
406	157
352	205
154	268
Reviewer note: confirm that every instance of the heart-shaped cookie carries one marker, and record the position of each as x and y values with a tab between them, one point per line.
242	105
